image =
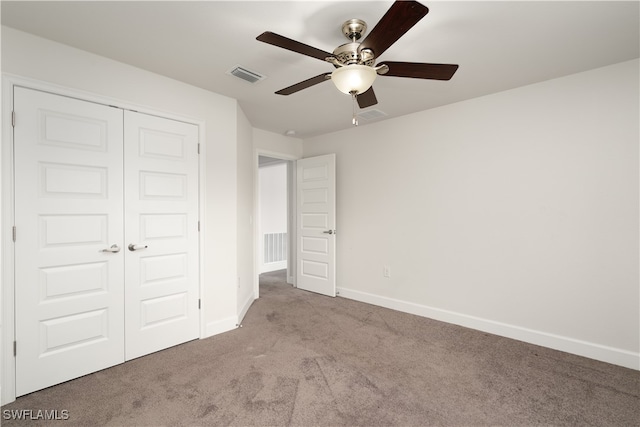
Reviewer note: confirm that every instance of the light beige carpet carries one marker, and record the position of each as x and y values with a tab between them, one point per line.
308	360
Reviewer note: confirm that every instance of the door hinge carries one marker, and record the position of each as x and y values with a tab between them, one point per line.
15	348
199	304
14	233
198	225
13	119
198	148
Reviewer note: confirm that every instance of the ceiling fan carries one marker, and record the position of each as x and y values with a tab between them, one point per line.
355	72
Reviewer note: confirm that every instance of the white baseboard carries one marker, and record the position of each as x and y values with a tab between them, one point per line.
603	353
220	326
224	325
245	307
273	266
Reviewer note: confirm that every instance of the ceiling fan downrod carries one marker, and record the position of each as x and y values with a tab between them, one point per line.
354	29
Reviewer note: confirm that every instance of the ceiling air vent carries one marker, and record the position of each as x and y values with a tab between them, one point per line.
372	114
245	74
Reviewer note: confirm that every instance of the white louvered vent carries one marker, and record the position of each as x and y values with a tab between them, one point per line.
372	114
275	247
246	74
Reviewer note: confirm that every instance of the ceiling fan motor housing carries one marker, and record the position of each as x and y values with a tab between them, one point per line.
349	53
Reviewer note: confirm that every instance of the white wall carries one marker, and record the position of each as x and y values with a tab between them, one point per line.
275	145
245	236
273	208
37	58
515	213
273	198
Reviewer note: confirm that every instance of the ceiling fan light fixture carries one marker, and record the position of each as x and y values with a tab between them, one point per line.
353	78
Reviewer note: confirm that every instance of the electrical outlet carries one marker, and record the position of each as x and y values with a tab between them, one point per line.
386	271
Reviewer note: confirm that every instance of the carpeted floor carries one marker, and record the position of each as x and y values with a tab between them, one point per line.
308	360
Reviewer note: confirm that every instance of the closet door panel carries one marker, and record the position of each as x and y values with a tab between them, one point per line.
161	264
69	272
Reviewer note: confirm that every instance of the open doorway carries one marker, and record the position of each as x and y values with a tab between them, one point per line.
273	219
275	248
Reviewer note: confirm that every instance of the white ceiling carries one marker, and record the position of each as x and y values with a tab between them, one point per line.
499	45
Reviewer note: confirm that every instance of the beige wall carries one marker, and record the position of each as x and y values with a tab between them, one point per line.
274	144
514	213
245	236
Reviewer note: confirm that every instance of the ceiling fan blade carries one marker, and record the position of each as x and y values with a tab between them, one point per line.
367	98
304	84
292	45
420	70
399	19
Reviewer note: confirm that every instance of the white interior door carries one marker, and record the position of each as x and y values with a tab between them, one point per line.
161	235
69	282
316	224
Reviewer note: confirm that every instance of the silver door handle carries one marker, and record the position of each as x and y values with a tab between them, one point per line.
114	249
329	232
133	247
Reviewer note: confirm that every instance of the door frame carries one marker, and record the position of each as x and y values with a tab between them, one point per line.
7	210
291	214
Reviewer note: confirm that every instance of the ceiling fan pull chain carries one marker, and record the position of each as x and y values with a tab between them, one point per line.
354	121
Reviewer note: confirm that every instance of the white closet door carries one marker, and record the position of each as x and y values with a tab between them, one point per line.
161	263
69	283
